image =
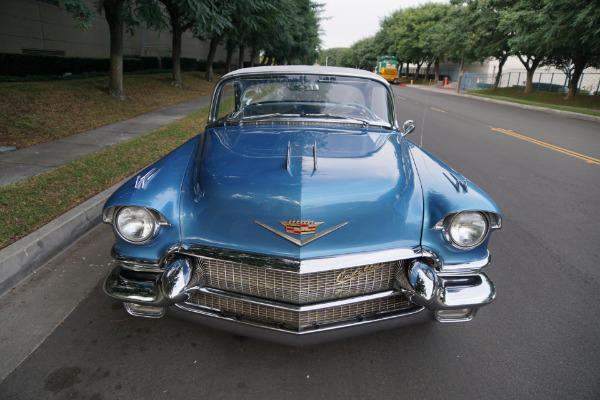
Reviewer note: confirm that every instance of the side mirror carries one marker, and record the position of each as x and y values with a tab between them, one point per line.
408	127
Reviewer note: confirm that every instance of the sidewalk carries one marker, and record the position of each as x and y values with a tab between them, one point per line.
20	164
23	257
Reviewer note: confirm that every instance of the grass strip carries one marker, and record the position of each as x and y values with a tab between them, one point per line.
32	203
37	112
544	105
582	103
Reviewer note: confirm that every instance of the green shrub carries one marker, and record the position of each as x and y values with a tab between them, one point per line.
186	64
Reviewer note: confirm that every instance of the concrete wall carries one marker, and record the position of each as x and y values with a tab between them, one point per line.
44	27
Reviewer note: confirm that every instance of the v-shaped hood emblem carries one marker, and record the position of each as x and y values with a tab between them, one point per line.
301	242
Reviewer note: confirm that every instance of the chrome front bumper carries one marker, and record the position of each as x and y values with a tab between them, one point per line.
428	294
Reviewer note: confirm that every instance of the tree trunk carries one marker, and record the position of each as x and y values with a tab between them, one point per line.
242	55
427	71
580	61
228	60
113	10
501	62
253	55
436	68
176	57
529	82
530	65
212	51
418	69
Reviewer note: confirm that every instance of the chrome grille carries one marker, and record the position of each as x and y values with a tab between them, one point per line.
295	319
298	288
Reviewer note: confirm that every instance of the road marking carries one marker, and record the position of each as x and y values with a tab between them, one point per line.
590	160
437	109
399	97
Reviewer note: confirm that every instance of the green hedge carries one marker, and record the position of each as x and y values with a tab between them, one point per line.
23	65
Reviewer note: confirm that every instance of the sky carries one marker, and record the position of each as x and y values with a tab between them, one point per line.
347	21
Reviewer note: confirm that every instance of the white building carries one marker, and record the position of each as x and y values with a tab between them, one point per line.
45	27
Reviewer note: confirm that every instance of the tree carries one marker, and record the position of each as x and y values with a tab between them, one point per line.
116	12
182	16
298	41
573	29
363	54
490	40
434	34
525	20
248	20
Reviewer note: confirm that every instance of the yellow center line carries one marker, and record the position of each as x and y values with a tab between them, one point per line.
571	153
399	97
437	109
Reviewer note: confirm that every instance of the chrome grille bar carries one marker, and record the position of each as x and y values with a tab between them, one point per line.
298	288
297	319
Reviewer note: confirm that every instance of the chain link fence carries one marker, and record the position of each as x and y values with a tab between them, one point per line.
589	83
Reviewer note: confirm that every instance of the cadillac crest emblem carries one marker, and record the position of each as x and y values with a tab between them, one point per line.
301	227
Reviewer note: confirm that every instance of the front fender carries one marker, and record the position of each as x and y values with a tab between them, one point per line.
158	187
446	191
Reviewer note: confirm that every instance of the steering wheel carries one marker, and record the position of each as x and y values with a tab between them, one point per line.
363	109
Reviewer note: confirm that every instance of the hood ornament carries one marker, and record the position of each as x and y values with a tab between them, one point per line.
301	227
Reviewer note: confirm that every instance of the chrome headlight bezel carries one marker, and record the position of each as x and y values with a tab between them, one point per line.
490	219
111	215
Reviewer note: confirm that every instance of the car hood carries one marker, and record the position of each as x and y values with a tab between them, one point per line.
248	181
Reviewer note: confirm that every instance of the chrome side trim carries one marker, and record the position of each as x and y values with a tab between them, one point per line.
294	307
302	266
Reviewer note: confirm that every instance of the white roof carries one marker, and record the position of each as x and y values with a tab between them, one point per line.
305	69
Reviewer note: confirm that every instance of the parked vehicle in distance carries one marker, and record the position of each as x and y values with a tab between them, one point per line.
387	67
301	214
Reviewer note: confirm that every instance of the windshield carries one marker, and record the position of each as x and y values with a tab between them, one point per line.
309	97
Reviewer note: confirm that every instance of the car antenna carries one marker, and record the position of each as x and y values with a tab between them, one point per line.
425	111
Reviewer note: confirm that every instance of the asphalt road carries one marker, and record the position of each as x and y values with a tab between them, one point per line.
539	339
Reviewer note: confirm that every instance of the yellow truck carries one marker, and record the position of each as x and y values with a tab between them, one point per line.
387	67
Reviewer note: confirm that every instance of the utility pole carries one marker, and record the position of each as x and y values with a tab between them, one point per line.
460	72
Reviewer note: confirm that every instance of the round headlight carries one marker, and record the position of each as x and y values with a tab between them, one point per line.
135	224
468	229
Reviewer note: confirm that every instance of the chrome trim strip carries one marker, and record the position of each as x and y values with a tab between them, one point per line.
466	268
295	307
302	266
139	265
466	318
309	335
315	156
289	151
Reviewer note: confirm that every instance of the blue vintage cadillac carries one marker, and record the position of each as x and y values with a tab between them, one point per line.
301	214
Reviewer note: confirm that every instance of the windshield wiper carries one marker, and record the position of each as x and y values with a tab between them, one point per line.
260	116
361	120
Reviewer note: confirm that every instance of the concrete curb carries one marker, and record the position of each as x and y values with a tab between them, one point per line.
24	256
